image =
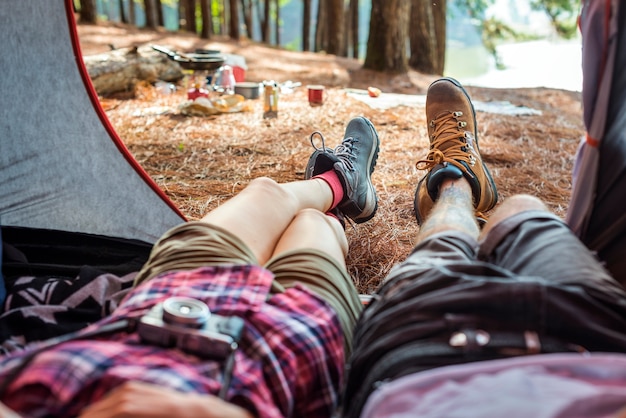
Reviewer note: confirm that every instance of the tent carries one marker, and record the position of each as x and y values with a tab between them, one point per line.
71	195
596	211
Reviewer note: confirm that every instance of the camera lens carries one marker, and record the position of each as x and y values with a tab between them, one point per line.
187	312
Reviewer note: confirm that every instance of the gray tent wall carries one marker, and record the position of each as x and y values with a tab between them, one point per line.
597	211
62	166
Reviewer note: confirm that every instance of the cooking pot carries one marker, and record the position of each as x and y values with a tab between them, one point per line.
194	61
248	89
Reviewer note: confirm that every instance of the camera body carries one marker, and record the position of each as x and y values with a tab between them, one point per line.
188	324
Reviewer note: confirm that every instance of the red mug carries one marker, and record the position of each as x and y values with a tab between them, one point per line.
316	95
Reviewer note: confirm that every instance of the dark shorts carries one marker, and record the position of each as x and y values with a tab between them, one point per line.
529	287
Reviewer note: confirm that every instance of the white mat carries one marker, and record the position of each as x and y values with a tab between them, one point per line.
390	100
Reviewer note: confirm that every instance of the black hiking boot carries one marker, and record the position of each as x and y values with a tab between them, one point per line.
353	160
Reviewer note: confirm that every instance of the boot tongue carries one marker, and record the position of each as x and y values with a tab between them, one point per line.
438	174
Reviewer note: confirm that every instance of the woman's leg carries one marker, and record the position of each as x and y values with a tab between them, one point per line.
262	212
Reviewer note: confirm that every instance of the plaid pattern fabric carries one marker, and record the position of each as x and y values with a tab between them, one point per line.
290	361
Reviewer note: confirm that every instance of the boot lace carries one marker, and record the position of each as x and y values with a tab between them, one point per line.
312	139
345	152
448	130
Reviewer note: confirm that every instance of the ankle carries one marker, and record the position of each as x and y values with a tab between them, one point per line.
332	179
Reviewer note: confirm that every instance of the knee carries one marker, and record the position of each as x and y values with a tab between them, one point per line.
512	206
269	191
314	215
523	202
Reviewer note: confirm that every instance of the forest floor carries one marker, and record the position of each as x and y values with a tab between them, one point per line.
201	161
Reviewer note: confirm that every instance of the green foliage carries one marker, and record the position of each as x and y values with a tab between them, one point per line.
494	30
562	14
475	8
294	45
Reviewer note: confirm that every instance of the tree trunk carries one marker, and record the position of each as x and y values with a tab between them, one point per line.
159	13
123	15
321	29
265	24
120	70
353	28
306	25
386	45
277	22
151	17
207	19
189	11
132	15
246	9
233	29
335	28
428	36
88	12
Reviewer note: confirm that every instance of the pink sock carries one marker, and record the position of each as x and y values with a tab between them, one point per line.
331	178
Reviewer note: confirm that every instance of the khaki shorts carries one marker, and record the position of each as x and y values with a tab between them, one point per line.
198	244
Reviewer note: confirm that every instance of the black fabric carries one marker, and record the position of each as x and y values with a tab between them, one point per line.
41	252
408	325
60	282
3	290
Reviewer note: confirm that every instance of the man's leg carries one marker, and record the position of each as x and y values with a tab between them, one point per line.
453	211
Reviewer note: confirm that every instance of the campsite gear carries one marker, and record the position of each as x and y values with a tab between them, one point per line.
223	80
288	86
316	95
197	66
270	99
596	210
74	202
248	89
204	61
454	150
68	170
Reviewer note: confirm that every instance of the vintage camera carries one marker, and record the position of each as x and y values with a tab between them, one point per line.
188	324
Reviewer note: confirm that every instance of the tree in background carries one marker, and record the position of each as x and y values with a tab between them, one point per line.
207	19
352	29
246	8
233	28
87	11
388	36
427	33
306	25
151	14
562	14
336	23
396	26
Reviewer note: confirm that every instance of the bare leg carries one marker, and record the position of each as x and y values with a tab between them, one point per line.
511	206
315	230
453	210
261	213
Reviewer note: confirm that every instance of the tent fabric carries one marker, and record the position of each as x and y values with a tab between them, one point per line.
596	211
62	166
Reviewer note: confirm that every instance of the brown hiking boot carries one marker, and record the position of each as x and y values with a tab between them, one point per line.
453	150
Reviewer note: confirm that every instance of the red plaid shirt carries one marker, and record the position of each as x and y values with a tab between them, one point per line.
290	360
